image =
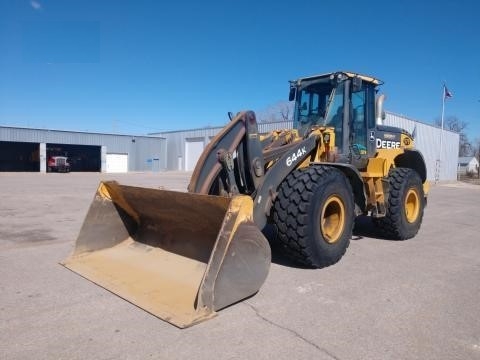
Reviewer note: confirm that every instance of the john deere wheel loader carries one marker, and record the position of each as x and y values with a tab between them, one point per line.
183	256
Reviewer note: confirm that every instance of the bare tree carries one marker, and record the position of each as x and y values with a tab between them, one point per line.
476	148
286	112
454	124
280	111
476	151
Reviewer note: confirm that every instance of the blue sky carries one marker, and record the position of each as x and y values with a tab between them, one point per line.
145	66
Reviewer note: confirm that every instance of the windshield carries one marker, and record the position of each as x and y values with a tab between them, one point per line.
334	116
311	106
319	103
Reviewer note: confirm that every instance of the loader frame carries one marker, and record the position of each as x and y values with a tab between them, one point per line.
184	256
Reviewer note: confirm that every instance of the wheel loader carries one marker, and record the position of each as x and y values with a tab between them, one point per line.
184	256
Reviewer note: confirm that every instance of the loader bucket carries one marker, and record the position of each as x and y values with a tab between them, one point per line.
179	256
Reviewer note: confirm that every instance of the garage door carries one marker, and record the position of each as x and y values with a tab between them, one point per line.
19	156
82	158
117	163
193	150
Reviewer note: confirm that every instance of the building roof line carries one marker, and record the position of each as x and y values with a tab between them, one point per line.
76	131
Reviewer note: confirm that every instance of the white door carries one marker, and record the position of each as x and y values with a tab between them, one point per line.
117	163
193	150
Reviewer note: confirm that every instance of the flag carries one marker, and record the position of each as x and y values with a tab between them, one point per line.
446	93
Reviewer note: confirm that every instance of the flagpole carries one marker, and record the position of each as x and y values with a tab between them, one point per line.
445	94
441	130
437	163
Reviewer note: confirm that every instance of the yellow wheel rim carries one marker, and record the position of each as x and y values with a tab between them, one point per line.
412	205
332	220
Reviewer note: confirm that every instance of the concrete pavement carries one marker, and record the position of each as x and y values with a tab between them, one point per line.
416	299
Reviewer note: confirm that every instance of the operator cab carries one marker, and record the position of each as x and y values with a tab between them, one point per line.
344	101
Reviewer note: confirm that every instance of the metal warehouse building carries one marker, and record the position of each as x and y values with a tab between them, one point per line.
26	149
184	147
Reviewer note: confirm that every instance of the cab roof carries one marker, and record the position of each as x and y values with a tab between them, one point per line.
349	74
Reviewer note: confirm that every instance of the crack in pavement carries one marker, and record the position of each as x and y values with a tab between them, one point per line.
257	312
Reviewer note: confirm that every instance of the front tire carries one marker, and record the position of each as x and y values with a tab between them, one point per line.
406	202
314	215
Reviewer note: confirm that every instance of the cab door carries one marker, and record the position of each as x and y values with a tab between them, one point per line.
362	125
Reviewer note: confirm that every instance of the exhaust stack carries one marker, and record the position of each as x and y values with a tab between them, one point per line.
379	113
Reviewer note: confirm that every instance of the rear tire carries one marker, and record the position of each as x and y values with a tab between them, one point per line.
406	202
314	215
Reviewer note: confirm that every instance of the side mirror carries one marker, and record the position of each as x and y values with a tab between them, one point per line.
292	93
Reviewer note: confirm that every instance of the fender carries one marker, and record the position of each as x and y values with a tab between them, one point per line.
356	181
412	159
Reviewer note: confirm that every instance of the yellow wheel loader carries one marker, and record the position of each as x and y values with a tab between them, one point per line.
184	256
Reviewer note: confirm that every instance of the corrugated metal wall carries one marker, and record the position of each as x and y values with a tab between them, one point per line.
264	128
142	150
147	154
176	141
427	141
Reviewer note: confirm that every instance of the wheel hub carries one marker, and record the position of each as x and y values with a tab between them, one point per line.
412	205
332	220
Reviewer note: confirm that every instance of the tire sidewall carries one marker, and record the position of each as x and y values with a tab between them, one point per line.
409	229
334	183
